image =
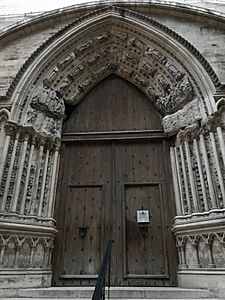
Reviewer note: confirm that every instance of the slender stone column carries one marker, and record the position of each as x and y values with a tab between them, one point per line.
210	254
183	258
208	172
222	144
28	175
191	177
10	172
44	181
37	177
53	180
195	144
175	182
4	115
10	130
179	179
196	255
2	254
218	168
21	166
185	180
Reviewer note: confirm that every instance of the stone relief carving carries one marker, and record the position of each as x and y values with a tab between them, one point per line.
93	58
156	55
48	101
77	71
175	97
190	114
85	46
66	62
103	37
46	111
133	42
145	67
22	252
202	250
140	81
163	82
174	71
52	77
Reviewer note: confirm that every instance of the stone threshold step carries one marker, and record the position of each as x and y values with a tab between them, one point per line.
106	298
116	292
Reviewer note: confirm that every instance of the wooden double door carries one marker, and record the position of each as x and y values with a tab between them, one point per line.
105	178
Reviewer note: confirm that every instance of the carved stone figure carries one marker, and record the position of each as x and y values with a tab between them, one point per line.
93	58
75	72
103	37
140	80
48	101
52	77
147	68
176	97
133	42
174	71
31	116
191	113
120	35
155	54
83	47
84	84
66	62
163	82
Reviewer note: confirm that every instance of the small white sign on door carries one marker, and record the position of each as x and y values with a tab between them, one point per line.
143	216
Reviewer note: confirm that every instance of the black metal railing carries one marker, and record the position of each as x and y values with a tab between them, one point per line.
99	292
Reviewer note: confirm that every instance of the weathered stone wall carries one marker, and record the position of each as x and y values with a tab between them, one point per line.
175	78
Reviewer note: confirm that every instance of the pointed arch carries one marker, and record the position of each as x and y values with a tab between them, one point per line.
111	40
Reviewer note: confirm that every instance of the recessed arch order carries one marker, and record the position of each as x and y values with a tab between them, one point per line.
111	40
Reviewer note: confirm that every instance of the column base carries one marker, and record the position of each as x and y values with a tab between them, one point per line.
15	279
209	279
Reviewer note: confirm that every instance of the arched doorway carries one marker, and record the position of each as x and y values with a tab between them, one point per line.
114	162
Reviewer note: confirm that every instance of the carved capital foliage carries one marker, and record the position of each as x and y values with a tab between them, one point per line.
28	133
10	128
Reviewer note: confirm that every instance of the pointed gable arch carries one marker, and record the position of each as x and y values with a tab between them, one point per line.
111	40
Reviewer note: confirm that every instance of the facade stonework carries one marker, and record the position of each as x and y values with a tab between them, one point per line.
58	72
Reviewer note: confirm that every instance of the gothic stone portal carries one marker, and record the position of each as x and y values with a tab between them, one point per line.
114	161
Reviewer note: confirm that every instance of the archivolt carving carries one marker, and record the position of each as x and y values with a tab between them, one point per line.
112	46
112	51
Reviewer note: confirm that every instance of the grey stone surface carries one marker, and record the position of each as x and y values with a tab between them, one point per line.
188	115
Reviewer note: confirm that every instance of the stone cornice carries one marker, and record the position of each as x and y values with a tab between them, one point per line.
126	14
19	228
47	16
